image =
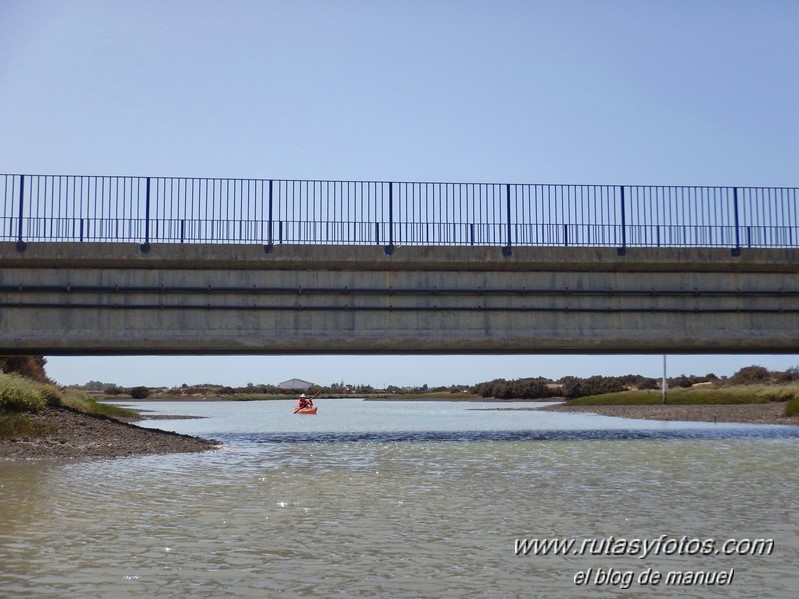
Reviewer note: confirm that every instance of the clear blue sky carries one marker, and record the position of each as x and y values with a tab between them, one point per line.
688	92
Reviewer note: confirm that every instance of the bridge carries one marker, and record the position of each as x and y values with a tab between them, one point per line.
115	265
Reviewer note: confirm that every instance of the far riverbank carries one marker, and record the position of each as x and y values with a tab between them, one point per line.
763	413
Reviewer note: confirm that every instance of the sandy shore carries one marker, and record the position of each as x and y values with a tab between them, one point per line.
74	435
768	413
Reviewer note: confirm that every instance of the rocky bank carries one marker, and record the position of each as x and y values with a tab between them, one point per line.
74	435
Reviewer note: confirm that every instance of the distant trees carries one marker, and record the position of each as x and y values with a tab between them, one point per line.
595	385
749	375
685	380
571	387
789	376
528	388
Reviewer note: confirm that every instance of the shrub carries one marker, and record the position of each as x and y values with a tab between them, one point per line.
595	385
30	367
139	392
52	395
749	375
792	408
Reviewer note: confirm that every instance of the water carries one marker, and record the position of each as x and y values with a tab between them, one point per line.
390	499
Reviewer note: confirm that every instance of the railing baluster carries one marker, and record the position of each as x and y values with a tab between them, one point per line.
20	244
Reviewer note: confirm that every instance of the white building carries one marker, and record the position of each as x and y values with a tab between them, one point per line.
296	384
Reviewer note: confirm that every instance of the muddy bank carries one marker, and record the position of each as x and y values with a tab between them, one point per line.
74	435
768	413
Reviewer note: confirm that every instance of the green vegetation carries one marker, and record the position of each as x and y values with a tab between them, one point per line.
738	394
18	394
21	397
792	407
81	402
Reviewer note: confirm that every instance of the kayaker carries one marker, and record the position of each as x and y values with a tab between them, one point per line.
304	402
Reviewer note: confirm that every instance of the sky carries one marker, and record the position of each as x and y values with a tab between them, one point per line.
694	92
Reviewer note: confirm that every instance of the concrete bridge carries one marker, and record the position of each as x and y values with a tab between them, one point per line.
121	298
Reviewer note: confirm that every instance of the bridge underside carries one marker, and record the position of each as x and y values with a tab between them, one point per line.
73	298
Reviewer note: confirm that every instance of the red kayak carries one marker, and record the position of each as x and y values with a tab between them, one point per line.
305	410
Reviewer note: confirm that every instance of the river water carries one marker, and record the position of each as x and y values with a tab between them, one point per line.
410	499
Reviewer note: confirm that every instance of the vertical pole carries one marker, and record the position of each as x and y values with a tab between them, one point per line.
507	251
269	244
664	386
389	249
20	244
737	249
623	249
145	247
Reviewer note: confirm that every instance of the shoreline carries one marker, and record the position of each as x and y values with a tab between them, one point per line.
73	435
765	413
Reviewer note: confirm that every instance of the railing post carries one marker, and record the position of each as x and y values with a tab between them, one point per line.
507	251
389	249
623	248
269	243
21	245
736	251
145	247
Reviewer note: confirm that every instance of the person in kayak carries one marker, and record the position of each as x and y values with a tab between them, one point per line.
304	402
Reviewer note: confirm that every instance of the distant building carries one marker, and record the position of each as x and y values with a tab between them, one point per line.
296	384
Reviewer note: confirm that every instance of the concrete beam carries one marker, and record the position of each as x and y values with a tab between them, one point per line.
90	298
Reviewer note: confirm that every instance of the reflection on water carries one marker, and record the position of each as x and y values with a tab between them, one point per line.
379	499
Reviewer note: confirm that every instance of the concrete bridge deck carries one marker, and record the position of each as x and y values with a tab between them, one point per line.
111	298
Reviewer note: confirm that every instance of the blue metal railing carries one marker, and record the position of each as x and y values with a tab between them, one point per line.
42	208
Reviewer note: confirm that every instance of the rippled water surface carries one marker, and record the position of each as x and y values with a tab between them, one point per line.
390	499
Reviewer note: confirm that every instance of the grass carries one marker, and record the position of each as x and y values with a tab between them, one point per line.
81	402
20	424
743	394
792	407
18	394
21	397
